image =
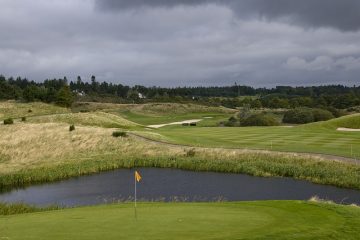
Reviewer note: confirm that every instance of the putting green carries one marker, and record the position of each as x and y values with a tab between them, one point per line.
244	220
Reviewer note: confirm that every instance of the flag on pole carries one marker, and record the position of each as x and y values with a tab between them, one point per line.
137	176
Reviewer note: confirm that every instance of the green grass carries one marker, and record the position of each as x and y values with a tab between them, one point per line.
243	220
350	121
311	139
208	118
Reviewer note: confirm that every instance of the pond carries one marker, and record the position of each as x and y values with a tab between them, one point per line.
174	185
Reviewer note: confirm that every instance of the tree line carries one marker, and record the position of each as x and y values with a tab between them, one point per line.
63	92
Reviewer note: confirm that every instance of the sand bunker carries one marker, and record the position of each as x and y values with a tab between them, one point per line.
174	123
348	129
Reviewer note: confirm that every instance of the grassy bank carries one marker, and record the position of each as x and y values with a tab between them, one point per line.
99	119
243	220
13	109
35	153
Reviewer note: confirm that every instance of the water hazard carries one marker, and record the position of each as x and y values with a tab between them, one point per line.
174	185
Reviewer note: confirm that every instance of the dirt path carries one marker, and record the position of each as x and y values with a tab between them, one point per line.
316	155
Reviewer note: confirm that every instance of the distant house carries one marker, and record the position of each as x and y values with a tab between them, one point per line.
141	96
79	93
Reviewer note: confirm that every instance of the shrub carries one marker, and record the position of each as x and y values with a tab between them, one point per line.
23	119
299	116
260	119
8	121
193	124
232	122
336	112
185	124
29	111
71	128
119	134
190	152
322	115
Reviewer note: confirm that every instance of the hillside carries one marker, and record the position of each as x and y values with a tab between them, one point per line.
100	119
349	121
15	109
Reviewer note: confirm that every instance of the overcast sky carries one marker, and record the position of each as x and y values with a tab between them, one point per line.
183	42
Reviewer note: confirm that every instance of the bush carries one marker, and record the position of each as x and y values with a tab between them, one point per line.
299	116
232	122
193	124
71	128
23	119
185	124
190	153
307	115
8	121
119	134
260	119
322	115
336	112
29	111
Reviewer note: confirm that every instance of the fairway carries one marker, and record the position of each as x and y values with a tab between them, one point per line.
242	220
287	139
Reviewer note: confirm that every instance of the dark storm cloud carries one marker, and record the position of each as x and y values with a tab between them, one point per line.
340	14
173	43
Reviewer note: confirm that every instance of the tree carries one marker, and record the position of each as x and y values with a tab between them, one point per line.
64	97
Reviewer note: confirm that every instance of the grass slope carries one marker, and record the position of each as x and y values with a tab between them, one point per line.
159	113
100	119
314	138
32	153
350	121
244	220
17	110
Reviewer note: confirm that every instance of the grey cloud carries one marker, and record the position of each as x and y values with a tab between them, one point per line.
201	44
340	14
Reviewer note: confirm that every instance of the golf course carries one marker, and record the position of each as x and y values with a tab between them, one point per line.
42	150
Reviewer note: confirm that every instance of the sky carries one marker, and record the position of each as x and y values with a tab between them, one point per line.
260	43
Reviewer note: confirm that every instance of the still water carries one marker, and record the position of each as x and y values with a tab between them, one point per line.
174	185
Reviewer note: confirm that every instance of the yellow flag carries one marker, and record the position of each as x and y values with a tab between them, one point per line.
137	176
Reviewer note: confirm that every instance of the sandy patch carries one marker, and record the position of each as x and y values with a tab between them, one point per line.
348	129
174	123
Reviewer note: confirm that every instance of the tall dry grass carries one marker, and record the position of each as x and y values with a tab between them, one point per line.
32	153
100	119
13	109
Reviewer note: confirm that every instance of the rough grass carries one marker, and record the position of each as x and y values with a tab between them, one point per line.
240	220
20	208
12	109
34	153
100	119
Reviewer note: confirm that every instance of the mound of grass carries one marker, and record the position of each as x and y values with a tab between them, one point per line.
243	220
12	109
100	119
349	121
19	208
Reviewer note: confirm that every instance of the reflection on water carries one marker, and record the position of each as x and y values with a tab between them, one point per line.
174	185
